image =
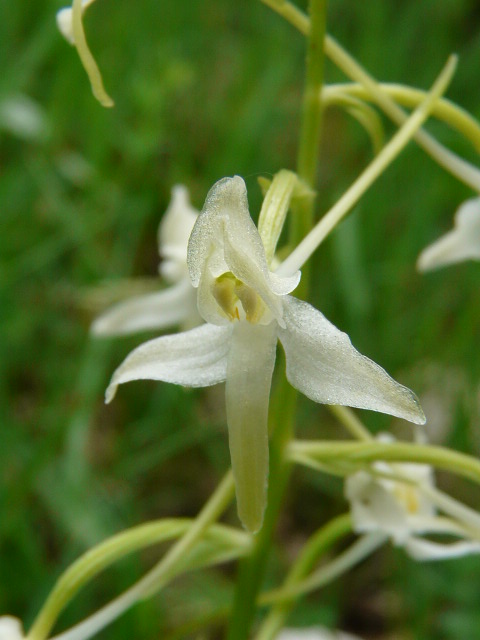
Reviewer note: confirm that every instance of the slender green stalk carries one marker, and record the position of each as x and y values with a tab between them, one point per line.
309	143
170	564
87	58
342	563
115	548
444	109
350	421
462	170
358	454
402	137
321	542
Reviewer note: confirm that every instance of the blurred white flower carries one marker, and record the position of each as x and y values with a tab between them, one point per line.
400	500
175	305
247	310
462	243
314	633
23	117
10	628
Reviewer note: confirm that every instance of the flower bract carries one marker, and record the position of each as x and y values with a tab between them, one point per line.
247	309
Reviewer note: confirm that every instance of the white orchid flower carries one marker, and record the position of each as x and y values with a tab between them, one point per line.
400	500
175	305
314	633
462	243
10	628
247	309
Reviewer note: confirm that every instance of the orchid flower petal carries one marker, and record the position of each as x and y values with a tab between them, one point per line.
462	243
373	507
225	239
172	306
249	375
421	549
195	358
10	628
323	364
174	232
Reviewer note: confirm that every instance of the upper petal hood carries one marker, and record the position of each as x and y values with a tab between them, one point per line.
323	364
225	239
196	358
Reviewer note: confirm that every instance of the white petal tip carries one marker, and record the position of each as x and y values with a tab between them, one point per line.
110	392
65	24
10	628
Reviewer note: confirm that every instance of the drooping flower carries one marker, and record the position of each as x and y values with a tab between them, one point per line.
175	305
247	309
401	501
10	628
462	243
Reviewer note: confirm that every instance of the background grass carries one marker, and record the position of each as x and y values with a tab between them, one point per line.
205	89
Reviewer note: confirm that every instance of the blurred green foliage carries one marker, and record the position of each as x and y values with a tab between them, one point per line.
205	89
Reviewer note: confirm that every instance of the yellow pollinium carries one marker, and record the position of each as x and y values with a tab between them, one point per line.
228	291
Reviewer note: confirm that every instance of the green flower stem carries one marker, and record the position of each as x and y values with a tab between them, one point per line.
100	557
309	144
358	454
312	103
444	109
252	568
357	552
321	542
350	421
463	171
398	142
87	58
115	548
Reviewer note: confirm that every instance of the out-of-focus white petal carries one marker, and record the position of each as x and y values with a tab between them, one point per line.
23	117
462	243
173	234
323	364
373	508
65	22
249	375
225	239
172	306
196	358
314	633
421	549
10	628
